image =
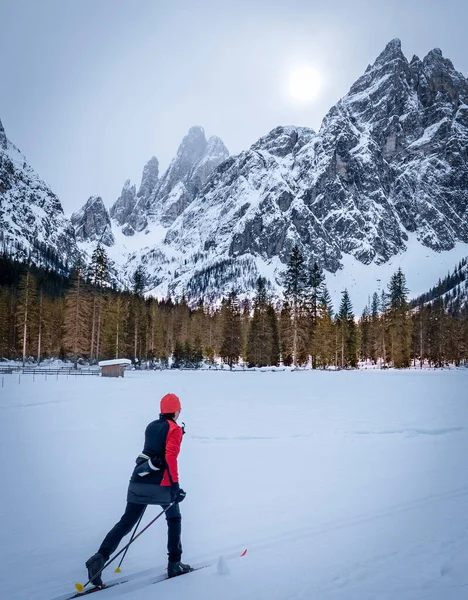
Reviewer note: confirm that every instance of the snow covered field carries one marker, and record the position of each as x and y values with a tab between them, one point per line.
343	486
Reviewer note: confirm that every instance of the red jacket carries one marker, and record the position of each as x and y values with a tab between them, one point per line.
173	442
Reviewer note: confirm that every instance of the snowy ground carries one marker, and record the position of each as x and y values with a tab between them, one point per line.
343	486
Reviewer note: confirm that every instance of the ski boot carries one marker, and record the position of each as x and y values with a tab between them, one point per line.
177	568
94	565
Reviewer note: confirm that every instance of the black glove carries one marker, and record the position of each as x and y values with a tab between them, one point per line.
178	493
146	466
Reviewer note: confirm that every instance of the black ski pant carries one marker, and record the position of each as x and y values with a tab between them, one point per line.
128	521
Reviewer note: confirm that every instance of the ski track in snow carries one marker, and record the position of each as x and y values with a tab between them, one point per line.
343	486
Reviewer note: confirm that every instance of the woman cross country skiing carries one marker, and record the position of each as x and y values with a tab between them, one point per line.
155	480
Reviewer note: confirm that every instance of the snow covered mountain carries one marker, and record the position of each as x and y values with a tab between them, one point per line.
389	164
130	209
452	289
92	223
32	222
382	184
163	200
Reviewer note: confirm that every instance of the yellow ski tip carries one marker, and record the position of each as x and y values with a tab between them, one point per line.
79	587
118	570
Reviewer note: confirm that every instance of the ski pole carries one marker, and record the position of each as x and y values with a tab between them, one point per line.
80	587
117	570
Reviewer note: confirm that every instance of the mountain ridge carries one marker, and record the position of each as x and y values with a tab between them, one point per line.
387	168
33	225
389	160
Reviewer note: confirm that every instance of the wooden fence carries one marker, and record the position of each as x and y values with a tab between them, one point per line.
75	372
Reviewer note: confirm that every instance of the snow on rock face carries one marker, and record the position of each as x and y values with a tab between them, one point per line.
161	201
390	160
388	166
31	215
189	153
149	178
130	209
125	203
196	159
92	222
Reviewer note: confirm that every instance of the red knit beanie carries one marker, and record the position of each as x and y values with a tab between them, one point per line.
170	403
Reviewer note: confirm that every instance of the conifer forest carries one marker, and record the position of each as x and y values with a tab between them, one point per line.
79	317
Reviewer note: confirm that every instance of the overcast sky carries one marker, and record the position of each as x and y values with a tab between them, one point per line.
91	89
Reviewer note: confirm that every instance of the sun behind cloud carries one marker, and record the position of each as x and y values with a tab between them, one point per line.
304	83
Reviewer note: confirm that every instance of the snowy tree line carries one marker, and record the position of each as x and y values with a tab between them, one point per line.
80	317
453	288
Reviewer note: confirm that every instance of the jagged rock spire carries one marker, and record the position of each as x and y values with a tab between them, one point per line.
125	203
391	51
92	222
149	178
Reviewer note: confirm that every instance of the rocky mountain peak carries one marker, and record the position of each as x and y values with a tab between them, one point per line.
149	177
195	132
92	222
125	203
392	51
388	162
189	152
214	153
161	200
434	62
215	147
195	161
31	216
438	75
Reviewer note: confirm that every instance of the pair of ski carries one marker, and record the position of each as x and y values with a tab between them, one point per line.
105	586
157	579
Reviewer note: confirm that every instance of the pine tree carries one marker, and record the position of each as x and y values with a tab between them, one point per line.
137	312
54	333
259	339
324	334
420	330
98	276
231	345
347	329
178	356
246	310
375	336
99	267
286	335
274	346
4	322
399	321
197	353
314	293
77	316
116	310
139	280
365	334
295	292
437	332
40	325
156	329
27	310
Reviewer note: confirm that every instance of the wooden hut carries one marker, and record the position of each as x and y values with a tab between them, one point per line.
114	368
